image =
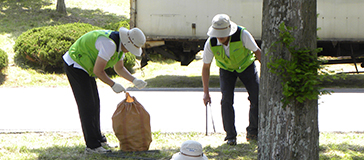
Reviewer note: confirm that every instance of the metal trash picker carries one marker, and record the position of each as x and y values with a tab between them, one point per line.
207	119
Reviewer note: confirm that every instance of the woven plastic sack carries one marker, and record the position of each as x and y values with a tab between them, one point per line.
131	124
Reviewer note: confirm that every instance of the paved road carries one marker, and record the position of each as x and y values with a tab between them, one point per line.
54	109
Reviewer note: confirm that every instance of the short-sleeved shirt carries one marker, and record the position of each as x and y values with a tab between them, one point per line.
248	42
104	45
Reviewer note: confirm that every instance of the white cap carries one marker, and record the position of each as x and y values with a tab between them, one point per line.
190	150
222	26
132	39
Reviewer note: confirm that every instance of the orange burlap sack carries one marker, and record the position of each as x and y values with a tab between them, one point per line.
131	124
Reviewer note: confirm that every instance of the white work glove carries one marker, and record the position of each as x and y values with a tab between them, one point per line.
139	83
118	88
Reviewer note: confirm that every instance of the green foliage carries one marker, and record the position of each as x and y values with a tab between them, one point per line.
3	59
116	26
129	61
300	78
45	46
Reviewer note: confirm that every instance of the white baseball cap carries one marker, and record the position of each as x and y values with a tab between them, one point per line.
222	26
132	39
190	150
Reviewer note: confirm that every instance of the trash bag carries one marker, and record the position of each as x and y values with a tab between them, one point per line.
131	124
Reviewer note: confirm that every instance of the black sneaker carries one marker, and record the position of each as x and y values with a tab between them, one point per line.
251	137
231	142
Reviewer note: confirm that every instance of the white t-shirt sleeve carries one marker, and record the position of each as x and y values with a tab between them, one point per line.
207	56
248	41
106	47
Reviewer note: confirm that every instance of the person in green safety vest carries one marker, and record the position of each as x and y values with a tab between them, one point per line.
87	59
235	51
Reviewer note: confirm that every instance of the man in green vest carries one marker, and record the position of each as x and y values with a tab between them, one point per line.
235	51
87	59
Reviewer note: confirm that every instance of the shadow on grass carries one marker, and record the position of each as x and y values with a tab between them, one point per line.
18	17
336	151
171	81
57	152
347	81
240	151
246	151
78	152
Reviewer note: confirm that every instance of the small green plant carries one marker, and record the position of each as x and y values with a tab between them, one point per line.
300	78
3	59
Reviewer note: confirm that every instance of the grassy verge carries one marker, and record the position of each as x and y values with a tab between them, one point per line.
70	145
15	19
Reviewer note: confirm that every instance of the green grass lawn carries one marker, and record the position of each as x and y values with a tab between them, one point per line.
70	145
16	18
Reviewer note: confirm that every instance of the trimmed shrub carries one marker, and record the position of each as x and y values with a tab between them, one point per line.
44	46
3	59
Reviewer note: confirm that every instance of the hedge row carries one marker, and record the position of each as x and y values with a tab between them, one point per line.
45	46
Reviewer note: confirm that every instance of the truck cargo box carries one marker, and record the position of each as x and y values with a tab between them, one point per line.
177	28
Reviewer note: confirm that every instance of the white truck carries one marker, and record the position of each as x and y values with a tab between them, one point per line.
177	28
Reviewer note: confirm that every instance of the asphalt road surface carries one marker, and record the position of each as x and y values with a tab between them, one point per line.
181	110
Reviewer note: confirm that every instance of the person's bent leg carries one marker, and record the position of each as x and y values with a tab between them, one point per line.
250	79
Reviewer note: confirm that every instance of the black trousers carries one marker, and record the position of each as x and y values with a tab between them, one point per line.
250	79
87	98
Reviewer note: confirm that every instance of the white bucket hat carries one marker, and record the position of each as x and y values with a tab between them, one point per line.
132	39
190	150
222	26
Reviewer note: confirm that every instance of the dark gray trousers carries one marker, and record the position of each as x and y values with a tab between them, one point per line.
250	79
87	98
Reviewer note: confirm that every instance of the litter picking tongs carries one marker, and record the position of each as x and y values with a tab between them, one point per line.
207	119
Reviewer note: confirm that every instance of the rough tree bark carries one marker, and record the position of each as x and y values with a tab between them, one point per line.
61	7
292	132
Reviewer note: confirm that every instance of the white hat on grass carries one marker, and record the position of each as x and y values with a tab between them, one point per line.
222	26
132	39
190	150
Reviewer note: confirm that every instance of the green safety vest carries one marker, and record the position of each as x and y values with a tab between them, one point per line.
240	57
84	52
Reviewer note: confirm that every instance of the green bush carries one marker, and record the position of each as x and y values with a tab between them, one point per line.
116	26
129	61
3	59
44	47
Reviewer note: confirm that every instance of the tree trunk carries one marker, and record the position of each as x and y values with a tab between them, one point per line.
291	132
61	7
